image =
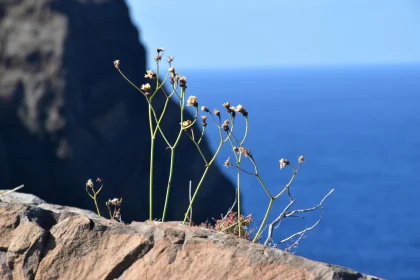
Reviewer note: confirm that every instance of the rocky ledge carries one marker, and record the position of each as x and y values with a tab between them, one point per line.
44	241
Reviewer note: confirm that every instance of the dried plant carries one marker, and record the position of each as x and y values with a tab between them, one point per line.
230	223
179	86
90	189
114	208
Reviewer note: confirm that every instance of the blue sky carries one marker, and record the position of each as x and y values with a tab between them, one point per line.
271	33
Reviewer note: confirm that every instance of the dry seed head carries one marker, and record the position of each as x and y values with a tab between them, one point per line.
115	201
186	123
158	50
301	159
226	105
117	63
146	87
89	183
204	109
170	59
203	118
216	112
227	162
158	58
98	180
231	110
283	163
241	109
172	69
150	74
183	82
235	149
247	153
225	125
192	101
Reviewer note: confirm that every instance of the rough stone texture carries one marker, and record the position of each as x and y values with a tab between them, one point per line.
20	197
66	115
46	246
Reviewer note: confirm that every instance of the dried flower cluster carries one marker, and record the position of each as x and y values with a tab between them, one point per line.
204	120
233	223
150	75
146	87
90	189
114	214
225	125
183	82
192	101
186	124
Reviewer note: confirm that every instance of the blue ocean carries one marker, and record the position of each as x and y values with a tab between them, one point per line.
359	130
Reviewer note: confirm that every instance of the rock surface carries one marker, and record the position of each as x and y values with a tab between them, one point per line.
36	243
66	115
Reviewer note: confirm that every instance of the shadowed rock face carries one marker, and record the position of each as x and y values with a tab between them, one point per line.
39	242
66	115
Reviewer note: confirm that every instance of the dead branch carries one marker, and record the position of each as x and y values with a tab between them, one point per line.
276	223
15	189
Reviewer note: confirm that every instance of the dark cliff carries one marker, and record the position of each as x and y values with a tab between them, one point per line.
66	115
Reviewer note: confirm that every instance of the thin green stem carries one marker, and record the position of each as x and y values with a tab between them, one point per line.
97	207
131	83
203	176
152	151
246	130
239	195
257	235
290	182
202	134
265	188
198	148
173	147
171	168
195	194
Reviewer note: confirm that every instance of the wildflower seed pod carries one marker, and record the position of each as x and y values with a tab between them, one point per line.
186	123
89	183
117	63
192	101
226	105
301	159
146	87
227	162
150	74
283	163
225	125
183	82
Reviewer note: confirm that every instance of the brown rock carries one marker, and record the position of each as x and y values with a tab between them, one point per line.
79	247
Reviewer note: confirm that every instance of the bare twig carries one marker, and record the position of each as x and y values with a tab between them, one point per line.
286	214
277	220
309	209
15	189
231	208
302	232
